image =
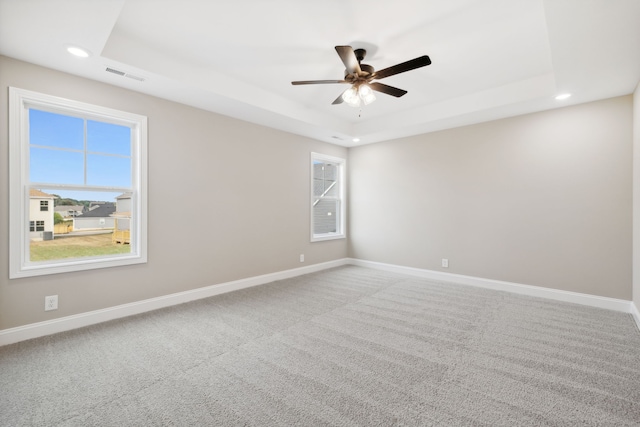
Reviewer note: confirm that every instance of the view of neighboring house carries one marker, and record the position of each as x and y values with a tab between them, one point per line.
70	211
123	202
122	217
97	218
40	215
123	211
94	205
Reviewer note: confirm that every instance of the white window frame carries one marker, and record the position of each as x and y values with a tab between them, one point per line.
20	101
341	222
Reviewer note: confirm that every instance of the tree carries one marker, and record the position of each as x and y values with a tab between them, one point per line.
57	218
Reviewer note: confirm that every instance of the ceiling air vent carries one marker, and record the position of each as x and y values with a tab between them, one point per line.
118	72
131	76
122	73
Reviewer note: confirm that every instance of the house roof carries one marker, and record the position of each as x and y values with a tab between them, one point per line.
490	59
126	195
65	209
102	211
61	208
40	194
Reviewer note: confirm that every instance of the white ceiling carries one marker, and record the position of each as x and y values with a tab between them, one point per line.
490	58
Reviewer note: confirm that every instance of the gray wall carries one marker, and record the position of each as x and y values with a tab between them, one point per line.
234	227
542	199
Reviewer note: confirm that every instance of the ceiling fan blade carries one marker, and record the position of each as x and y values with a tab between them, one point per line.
339	99
349	59
389	90
318	82
422	61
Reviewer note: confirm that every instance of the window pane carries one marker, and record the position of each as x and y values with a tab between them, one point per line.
55	130
325	188
318	170
331	189
325	218
327	171
89	224
325	176
330	172
108	170
56	166
108	138
318	187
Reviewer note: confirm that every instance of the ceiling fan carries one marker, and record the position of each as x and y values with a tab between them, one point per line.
360	77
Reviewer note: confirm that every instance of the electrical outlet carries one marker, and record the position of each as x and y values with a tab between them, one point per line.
445	263
301	257
51	302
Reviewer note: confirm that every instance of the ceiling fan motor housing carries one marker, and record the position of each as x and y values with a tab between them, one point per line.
367	70
360	54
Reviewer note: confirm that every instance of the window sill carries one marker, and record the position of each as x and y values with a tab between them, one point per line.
67	266
328	236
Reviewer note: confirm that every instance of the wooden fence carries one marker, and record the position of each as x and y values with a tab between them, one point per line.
62	228
121	236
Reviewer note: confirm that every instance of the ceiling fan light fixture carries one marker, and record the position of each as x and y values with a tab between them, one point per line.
350	96
366	94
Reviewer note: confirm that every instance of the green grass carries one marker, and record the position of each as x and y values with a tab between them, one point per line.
76	247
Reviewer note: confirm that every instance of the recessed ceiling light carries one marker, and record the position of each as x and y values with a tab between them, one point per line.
78	51
356	139
563	96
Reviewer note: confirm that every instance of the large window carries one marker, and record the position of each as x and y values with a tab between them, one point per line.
327	197
89	157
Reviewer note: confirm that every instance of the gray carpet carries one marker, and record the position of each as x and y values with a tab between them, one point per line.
345	347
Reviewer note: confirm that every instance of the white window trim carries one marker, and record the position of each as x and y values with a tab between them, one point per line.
342	232
20	101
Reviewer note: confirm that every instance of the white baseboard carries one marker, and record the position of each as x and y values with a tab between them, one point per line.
35	330
636	314
536	291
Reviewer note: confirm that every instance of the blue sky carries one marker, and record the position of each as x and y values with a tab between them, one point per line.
60	154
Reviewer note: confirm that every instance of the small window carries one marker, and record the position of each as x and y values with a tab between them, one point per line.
327	197
72	153
36	226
